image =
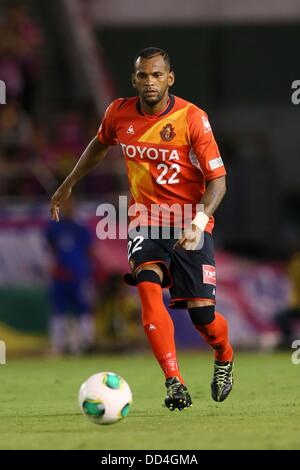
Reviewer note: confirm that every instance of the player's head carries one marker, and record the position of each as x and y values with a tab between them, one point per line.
152	75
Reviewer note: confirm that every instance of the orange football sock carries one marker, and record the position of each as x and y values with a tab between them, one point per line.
216	335
159	328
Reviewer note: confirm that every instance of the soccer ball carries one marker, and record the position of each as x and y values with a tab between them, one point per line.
105	398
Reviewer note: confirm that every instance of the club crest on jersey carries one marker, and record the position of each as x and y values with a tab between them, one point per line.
168	133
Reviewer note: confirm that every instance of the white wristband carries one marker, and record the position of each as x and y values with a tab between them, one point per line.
201	220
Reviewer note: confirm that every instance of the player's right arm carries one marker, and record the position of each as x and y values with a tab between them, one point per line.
93	154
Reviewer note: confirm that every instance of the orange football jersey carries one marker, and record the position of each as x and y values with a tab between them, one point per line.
168	156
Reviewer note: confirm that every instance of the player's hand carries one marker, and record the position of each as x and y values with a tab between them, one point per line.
58	199
191	238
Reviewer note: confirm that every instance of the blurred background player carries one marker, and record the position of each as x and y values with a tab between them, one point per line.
118	322
187	169
71	322
286	319
63	62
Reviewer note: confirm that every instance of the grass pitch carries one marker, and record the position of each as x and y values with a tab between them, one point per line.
38	405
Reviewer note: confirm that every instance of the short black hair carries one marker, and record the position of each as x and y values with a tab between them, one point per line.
150	52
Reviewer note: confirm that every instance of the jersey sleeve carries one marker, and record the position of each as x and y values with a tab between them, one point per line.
204	145
107	130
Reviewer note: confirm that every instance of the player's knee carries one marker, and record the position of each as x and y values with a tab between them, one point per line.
148	276
149	287
199	303
202	316
149	273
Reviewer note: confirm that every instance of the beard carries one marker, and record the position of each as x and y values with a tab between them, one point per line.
154	99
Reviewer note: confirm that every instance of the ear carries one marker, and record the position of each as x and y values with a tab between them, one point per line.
133	80
171	79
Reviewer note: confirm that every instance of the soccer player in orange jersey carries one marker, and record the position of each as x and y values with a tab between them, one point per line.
173	163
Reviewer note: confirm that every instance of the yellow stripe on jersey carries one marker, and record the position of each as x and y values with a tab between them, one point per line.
140	182
178	121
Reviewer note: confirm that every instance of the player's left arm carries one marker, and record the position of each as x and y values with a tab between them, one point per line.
212	166
214	194
212	198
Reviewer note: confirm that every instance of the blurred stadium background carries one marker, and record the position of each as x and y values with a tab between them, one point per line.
63	61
